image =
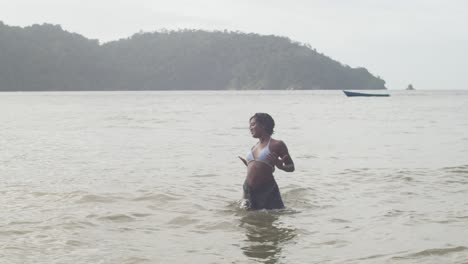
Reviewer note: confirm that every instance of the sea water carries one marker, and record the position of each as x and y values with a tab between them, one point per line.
153	177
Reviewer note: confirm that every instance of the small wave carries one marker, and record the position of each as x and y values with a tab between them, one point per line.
306	157
238	208
455	175
39	194
457	169
380	256
406	176
136	260
339	221
457	182
433	252
14	232
224	225
58	196
91	198
72	225
23	223
209	175
443	221
296	192
117	218
182	221
140	215
337	243
155	198
224	134
297	198
240	128
86	223
393	213
74	243
358	171
406	193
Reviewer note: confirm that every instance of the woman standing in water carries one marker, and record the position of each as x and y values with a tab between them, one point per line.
260	188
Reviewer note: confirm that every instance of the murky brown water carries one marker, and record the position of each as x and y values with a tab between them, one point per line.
152	177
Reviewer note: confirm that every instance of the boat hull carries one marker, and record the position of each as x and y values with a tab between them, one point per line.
352	94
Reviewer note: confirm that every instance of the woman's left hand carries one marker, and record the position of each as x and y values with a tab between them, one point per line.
273	158
276	160
280	161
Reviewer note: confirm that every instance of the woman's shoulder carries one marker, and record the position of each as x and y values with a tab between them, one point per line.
279	147
277	143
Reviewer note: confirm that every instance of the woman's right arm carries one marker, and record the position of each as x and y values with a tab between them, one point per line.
285	161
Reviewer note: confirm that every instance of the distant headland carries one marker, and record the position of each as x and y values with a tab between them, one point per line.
47	58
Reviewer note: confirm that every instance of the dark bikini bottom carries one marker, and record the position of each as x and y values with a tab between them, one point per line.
264	197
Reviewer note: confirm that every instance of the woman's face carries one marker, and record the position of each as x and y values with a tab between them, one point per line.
256	129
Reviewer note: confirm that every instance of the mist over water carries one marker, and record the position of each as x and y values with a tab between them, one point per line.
152	177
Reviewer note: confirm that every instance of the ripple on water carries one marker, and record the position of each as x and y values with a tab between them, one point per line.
223	226
92	198
297	198
156	198
75	243
182	221
72	225
432	252
458	169
462	217
335	243
394	213
404	176
140	215
339	221
306	156
23	222
208	175
14	232
265	235
117	218
136	260
455	176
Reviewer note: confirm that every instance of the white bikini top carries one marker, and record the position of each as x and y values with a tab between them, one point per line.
262	156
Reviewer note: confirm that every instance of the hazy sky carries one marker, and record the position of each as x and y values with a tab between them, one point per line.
423	42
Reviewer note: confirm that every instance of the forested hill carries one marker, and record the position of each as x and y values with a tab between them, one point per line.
45	57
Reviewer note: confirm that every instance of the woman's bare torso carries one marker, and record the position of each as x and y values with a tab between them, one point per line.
258	174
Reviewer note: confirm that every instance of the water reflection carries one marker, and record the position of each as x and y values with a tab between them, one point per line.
265	236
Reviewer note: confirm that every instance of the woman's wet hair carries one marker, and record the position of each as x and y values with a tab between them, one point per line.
265	120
